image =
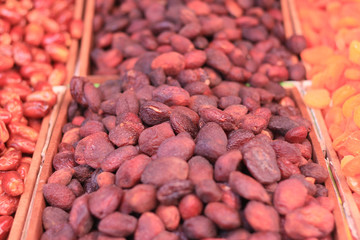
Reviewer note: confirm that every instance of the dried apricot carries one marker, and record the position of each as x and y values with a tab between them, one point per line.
342	94
350	104
352	73
354	183
317	98
350	165
354	52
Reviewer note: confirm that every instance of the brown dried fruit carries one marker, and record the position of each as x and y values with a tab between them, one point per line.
141	198
310	221
151	138
149	225
261	162
105	200
118	225
171	62
170	216
80	217
262	217
53	216
162	170
211	141
116	158
225	164
314	170
181	146
248	187
289	195
199	227
223	216
171	192
58	195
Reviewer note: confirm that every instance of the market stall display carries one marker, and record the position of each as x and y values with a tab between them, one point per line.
179	127
36	39
179	121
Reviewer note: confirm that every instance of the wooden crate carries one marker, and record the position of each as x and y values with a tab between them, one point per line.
34	227
43	139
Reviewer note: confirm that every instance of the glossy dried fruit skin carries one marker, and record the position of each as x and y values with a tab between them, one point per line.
5	226
223	216
58	195
10	160
261	217
12	184
21	143
23	130
104	201
36	109
162	170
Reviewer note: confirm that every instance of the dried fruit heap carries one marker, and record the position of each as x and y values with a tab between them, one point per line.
34	40
332	30
179	147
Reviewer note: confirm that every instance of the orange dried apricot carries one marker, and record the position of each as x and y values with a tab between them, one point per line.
352	144
350	165
352	74
354	183
342	94
350	104
335	131
354	52
317	98
334	116
317	54
357	116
